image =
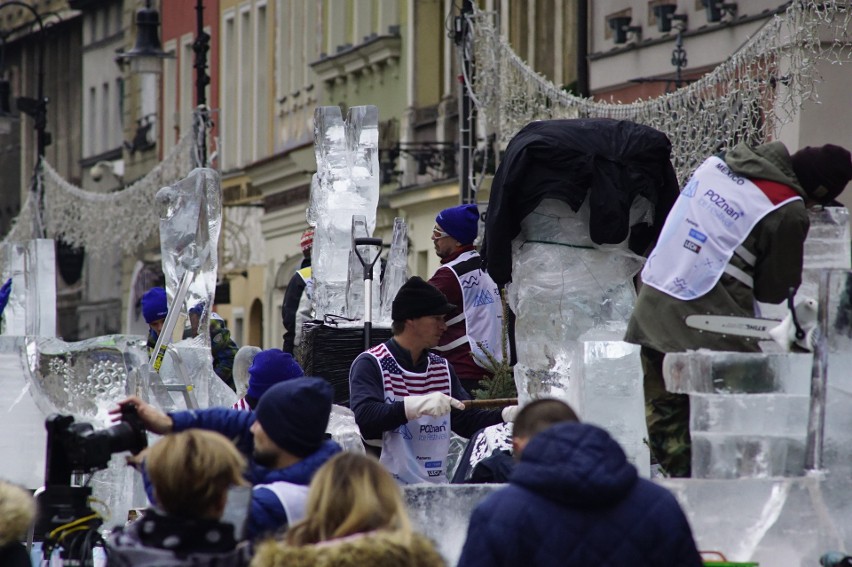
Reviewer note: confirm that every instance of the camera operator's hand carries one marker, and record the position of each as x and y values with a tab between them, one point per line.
154	420
136	460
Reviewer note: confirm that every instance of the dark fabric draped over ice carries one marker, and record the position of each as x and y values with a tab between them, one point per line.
613	160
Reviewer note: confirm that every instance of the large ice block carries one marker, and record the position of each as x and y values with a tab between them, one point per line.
347	184
750	414
606	390
31	309
21	419
828	245
785	522
441	512
708	371
748	411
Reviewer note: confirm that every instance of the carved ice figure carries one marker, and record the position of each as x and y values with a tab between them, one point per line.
190	223
347	184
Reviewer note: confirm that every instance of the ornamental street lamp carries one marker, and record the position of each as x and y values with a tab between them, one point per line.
147	56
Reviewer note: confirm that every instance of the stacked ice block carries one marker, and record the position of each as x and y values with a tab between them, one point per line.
748	411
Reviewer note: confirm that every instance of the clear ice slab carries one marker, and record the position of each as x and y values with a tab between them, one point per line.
31	310
607	390
356	284
709	371
396	270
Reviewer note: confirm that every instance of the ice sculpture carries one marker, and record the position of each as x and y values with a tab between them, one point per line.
396	270
242	362
347	184
190	222
85	379
563	287
31	309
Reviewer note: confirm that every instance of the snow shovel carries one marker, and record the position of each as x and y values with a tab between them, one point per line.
368	283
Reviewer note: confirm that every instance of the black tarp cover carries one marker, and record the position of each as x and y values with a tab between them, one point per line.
613	160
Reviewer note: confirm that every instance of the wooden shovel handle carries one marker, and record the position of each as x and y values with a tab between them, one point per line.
490	404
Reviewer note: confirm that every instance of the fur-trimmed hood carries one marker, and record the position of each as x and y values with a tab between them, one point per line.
17	512
377	549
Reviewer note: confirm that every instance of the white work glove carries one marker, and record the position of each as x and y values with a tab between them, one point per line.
434	405
509	413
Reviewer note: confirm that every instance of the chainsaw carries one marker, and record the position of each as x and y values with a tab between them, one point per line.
798	327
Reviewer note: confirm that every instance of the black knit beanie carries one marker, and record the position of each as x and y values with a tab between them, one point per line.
823	172
294	414
417	298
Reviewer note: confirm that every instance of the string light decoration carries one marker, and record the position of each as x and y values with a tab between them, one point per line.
747	98
98	222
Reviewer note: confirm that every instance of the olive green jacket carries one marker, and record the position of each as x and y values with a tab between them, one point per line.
777	241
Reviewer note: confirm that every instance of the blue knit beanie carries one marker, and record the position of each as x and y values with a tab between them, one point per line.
155	305
270	367
294	414
462	222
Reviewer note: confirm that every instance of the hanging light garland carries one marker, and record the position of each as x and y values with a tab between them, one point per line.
747	98
103	221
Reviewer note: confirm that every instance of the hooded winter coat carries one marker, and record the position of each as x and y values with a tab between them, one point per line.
376	549
17	511
776	241
575	501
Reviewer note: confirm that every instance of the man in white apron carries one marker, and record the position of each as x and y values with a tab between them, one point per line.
734	236
475	325
406	399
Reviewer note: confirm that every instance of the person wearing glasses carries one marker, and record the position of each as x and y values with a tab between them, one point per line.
476	324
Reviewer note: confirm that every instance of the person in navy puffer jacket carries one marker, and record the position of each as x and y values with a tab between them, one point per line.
574	500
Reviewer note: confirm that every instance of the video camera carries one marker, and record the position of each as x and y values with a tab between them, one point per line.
66	521
77	447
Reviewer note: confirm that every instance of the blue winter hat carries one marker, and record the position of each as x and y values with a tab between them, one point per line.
294	414
155	305
270	367
462	222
